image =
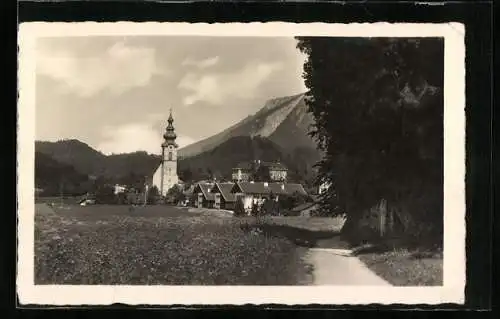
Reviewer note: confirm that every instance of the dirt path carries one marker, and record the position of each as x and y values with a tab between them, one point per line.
336	267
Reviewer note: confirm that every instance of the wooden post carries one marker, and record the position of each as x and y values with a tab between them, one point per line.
382	214
146	189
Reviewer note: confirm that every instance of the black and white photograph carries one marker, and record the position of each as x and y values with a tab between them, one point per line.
241	163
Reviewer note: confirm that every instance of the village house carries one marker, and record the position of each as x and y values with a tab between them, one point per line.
254	193
202	196
277	171
224	199
118	189
243	172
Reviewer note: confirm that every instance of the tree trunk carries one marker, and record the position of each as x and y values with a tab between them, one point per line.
350	229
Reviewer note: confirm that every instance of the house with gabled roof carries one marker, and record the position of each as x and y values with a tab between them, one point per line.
202	196
244	171
277	171
255	193
224	199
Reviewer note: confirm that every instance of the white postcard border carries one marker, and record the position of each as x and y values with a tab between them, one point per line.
452	290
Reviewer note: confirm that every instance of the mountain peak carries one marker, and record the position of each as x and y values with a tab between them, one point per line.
270	121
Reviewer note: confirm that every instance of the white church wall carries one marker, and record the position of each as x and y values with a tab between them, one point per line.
165	176
168	181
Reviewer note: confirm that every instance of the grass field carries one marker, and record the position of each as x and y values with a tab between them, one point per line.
111	244
405	267
158	245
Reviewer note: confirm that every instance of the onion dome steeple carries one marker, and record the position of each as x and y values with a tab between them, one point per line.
170	136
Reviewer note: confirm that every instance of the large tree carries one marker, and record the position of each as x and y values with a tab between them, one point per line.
378	109
175	195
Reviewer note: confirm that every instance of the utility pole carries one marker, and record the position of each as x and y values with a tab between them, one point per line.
146	189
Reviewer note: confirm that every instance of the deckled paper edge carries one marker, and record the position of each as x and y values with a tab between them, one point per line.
454	175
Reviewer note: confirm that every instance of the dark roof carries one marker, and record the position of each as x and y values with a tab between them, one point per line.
275	188
225	190
205	189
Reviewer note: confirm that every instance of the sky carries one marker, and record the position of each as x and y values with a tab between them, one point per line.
115	93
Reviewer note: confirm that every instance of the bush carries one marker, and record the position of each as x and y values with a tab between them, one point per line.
121	198
239	208
270	207
255	209
287	202
153	196
105	195
175	195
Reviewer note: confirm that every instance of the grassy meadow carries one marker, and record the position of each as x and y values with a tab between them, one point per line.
406	267
158	245
162	245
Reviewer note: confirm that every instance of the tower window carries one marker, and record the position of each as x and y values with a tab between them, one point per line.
169	156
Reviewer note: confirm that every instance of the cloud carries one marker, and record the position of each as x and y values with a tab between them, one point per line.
217	88
116	69
132	137
202	64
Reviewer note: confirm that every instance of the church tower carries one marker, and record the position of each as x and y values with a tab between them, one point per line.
166	175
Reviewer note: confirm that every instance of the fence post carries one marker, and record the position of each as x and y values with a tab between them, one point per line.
382	214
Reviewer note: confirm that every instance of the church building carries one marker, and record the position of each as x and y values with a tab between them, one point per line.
165	176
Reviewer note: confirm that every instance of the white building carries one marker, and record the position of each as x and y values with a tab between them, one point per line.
323	187
165	176
255	193
120	189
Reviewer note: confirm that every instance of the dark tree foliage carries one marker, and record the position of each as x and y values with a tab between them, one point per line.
186	175
287	202
378	109
121	198
270	206
133	180
255	211
105	194
239	208
56	178
175	195
261	173
153	195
